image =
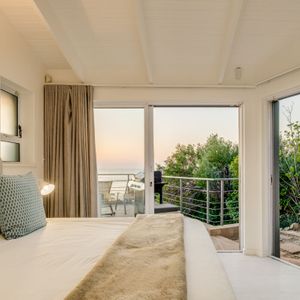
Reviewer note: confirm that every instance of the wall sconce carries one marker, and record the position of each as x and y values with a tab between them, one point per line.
46	188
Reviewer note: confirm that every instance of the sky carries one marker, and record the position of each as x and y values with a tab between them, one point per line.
191	125
294	102
120	133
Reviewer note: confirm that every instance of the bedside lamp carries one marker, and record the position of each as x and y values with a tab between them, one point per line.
46	188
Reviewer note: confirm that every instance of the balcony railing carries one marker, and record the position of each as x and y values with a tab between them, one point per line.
119	181
212	200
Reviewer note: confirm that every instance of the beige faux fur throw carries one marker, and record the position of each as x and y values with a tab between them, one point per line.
146	262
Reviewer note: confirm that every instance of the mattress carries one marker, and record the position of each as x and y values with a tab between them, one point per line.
50	262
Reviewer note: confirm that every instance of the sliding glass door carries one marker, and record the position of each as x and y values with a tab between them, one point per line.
197	168
120	150
286	179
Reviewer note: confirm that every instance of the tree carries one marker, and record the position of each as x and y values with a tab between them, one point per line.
182	162
217	158
216	155
289	167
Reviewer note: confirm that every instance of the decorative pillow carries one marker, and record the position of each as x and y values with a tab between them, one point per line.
21	206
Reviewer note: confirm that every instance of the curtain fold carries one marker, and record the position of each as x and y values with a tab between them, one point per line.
69	151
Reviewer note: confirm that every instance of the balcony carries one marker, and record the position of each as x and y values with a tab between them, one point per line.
213	201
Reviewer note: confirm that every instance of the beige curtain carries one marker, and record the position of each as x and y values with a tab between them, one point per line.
69	151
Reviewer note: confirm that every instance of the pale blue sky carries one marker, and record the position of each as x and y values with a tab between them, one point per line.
294	102
120	132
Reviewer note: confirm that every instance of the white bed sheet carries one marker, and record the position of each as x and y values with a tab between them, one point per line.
49	263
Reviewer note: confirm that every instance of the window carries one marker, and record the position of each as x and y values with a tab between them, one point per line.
10	131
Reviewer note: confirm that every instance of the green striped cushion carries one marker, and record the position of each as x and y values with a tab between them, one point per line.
21	206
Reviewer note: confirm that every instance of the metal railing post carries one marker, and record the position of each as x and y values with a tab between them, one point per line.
180	194
222	203
207	201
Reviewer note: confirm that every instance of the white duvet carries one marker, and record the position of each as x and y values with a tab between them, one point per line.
50	262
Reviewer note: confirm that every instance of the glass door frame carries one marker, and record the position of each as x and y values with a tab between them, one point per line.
149	159
149	150
148	147
240	108
275	179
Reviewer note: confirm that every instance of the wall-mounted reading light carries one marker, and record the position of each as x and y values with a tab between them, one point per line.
46	188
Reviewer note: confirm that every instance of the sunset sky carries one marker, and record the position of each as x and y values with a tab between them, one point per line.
120	133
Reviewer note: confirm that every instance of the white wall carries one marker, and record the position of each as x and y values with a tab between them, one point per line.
23	71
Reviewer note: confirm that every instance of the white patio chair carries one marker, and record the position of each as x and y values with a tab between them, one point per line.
124	195
106	198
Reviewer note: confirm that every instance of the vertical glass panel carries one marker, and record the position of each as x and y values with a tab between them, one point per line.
9	113
196	160
288	169
120	161
10	152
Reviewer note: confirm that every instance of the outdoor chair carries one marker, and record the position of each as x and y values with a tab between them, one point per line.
126	195
106	198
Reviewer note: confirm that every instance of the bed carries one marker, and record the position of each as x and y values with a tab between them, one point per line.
48	263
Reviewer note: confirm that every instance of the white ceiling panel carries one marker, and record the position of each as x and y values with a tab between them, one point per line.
27	20
105	38
268	40
162	42
185	39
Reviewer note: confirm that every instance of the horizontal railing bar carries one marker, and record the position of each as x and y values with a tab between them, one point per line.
235	207
198	218
226	214
199	190
202	191
190	198
195	205
113	181
227	208
171	194
211	214
172	200
203	201
199	178
113	174
171	186
200	212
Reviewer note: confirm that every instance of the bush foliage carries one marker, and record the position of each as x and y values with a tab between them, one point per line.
217	158
289	163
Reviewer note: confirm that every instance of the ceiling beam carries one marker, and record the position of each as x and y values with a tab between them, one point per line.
142	31
230	36
61	37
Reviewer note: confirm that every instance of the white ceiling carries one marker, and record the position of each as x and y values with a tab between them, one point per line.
163	42
26	18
